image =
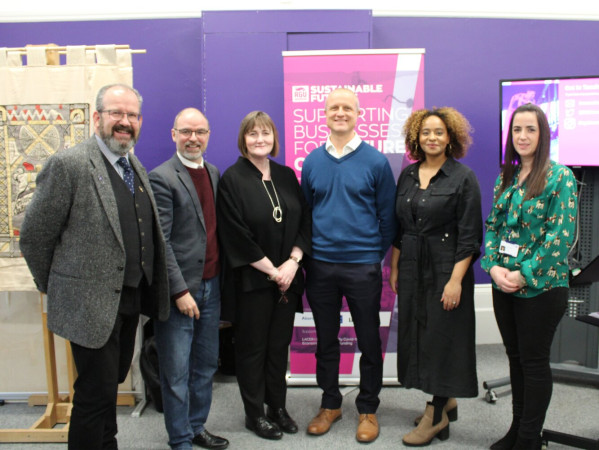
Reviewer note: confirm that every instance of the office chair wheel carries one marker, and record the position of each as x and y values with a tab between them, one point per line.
491	396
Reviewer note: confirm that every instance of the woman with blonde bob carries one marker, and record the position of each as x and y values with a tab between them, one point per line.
439	237
264	226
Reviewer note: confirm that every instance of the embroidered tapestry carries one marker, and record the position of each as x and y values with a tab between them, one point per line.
45	109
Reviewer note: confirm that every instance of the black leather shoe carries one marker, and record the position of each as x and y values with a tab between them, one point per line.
280	416
263	428
207	440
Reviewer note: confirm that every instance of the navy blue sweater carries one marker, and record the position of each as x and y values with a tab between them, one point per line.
352	200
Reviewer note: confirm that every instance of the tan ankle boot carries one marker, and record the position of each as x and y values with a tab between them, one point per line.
451	408
425	432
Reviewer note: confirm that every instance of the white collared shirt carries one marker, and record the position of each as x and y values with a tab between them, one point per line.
191	164
353	144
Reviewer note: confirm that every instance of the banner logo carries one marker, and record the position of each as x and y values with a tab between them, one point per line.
300	94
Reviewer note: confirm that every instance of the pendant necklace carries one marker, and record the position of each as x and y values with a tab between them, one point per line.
277	212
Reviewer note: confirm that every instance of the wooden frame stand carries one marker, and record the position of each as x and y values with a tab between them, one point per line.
48	428
57	411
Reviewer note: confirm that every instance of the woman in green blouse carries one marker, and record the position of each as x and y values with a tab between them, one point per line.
529	232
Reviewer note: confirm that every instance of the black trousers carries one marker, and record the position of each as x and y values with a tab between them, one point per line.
527	327
99	371
361	284
263	331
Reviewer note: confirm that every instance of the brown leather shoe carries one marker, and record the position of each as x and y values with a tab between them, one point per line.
323	421
368	429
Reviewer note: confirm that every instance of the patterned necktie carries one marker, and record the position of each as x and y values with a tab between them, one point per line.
128	177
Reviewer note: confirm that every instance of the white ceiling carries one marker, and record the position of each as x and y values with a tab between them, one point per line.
44	10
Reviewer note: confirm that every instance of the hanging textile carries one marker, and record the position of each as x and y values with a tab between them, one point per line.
46	106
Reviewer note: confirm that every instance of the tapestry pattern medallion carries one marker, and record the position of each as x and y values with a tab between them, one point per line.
29	135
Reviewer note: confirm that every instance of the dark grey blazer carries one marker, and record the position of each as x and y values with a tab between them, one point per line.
72	242
182	222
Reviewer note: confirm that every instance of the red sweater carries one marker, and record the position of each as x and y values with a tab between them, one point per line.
201	181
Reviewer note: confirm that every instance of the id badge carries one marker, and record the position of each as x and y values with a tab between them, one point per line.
508	248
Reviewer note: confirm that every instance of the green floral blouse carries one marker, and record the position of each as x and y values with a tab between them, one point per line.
543	227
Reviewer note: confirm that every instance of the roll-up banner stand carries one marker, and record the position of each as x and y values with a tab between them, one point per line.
389	85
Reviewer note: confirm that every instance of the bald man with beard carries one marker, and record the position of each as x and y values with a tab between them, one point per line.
185	190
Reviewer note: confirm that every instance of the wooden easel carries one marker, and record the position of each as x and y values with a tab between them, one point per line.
58	410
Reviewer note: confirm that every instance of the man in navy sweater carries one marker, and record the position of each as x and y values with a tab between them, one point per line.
350	187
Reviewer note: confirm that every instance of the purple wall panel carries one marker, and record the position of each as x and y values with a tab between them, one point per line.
302	21
167	76
466	58
243	64
242	74
323	41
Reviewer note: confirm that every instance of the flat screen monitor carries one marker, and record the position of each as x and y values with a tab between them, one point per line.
572	108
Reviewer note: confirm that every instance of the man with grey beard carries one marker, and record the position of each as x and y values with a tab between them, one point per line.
92	240
187	343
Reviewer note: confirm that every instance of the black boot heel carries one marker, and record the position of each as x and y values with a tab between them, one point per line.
452	414
443	435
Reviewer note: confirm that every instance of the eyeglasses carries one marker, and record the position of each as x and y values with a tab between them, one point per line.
118	115
186	132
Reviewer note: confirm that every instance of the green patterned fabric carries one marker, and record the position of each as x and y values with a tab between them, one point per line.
543	227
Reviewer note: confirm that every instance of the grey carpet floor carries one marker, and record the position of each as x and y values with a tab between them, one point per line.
574	409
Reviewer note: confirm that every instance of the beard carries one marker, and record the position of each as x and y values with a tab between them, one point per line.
114	145
191	156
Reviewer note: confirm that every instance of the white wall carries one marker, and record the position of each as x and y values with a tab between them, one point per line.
38	10
486	326
22	360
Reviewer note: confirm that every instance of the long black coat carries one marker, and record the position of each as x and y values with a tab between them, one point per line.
436	348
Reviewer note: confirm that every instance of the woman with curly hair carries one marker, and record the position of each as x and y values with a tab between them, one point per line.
439	237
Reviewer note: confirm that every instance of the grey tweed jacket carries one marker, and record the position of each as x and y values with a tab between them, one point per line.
72	242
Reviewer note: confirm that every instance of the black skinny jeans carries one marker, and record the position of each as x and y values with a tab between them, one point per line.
527	326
